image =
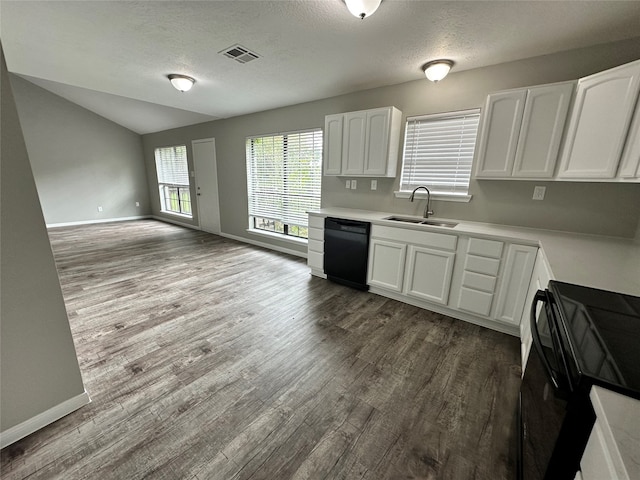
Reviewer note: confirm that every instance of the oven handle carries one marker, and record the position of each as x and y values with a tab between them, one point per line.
535	335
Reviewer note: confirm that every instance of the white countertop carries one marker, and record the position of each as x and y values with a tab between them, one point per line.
607	263
620	420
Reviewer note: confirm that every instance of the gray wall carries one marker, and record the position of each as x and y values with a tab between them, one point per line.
596	208
39	368
80	160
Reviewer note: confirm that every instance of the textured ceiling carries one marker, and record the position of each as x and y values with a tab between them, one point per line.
113	57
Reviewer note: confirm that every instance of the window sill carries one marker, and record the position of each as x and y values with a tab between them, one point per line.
278	236
176	214
445	197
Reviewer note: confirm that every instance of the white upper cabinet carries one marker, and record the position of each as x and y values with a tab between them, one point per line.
544	117
501	120
630	163
363	143
333	144
353	143
599	124
521	131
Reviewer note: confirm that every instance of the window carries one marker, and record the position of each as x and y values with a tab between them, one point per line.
283	180
173	180
438	152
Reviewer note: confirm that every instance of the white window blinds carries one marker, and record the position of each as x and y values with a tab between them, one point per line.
283	175
171	165
438	152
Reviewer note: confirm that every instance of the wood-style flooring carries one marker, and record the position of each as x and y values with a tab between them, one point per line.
206	358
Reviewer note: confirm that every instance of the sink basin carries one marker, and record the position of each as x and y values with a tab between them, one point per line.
421	221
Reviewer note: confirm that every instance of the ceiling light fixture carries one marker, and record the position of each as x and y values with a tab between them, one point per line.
181	82
362	8
437	69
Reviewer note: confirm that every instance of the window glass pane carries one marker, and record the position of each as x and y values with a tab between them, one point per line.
438	152
173	179
283	179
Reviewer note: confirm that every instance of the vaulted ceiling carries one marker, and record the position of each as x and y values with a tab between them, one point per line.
113	57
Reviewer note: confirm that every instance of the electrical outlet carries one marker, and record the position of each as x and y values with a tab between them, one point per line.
348	184
137	204
374	184
538	193
99	209
353	184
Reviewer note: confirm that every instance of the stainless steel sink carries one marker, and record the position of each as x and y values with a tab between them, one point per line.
421	221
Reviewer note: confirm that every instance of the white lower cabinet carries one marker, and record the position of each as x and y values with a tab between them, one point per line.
315	246
515	282
416	264
539	281
428	275
386	264
482	280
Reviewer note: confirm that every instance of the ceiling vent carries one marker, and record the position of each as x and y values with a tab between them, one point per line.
240	54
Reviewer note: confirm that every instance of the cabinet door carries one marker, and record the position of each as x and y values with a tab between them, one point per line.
499	133
543	120
630	163
515	283
333	144
377	141
353	143
428	274
599	123
386	264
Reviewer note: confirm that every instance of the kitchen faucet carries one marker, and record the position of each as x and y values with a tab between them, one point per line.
427	210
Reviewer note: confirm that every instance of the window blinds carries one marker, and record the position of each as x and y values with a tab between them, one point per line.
284	174
438	151
171	165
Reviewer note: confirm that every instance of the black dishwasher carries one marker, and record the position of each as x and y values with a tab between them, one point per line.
346	249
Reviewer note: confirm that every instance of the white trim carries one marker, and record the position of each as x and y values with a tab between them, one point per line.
43	419
450	312
445	197
175	222
102	220
265	245
433	116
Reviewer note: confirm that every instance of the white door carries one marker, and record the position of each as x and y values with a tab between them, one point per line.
204	160
333	144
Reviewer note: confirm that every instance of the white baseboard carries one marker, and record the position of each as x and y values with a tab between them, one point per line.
175	222
43	419
102	220
265	245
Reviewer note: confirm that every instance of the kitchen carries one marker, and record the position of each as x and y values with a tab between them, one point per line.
587	208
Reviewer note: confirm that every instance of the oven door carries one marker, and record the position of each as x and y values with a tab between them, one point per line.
544	392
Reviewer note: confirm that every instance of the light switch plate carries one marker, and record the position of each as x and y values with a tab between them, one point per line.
348	184
353	184
538	193
374	184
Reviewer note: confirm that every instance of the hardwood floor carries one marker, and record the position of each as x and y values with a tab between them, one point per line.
206	358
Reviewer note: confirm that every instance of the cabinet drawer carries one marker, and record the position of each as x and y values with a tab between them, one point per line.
316	222
427	239
488	266
485	248
475	301
316	234
315	260
479	281
316	246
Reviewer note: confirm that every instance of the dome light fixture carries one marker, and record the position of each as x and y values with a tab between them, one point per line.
437	69
181	82
362	8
